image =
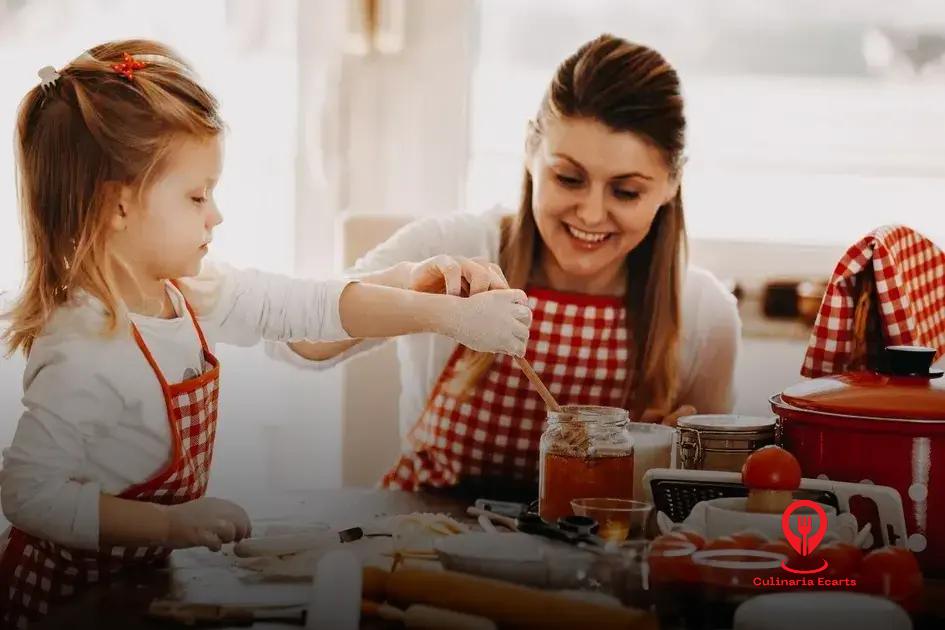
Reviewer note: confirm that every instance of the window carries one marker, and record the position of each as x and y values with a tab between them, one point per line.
240	49
809	122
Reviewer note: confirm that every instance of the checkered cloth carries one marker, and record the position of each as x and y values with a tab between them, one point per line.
909	274
36	574
578	346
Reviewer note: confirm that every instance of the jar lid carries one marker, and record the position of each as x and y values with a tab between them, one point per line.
589	414
907	388
727	423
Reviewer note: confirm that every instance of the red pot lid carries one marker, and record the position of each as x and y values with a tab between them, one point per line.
907	388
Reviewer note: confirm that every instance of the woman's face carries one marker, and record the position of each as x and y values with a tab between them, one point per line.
595	193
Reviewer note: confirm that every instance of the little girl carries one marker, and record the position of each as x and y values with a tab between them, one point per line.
118	155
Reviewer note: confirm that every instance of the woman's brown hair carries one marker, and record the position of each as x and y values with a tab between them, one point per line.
629	88
77	142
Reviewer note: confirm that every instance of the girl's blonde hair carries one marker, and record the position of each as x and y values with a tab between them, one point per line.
77	142
627	87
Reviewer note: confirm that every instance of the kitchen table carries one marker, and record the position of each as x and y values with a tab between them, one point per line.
123	604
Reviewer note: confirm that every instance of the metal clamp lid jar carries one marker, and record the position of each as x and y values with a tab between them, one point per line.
722	441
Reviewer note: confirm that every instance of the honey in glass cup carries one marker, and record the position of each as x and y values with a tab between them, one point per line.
585	451
618	519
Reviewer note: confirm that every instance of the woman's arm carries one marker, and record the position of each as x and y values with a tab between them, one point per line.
711	387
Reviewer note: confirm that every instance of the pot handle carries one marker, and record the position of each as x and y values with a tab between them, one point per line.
909	361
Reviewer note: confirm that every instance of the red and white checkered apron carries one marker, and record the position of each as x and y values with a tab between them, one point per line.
910	283
578	346
35	574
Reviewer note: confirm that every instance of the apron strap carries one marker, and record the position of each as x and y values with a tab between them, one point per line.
150	357
193	318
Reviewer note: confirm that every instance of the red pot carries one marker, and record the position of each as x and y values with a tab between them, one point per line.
884	427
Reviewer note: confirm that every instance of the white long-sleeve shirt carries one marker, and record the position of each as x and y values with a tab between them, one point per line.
708	342
95	419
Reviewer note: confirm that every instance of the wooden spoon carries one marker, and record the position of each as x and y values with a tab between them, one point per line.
533	377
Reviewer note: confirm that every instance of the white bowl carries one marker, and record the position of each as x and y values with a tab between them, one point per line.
514	557
727	516
821	610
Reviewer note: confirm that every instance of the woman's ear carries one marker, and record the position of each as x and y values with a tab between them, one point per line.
532	138
672	189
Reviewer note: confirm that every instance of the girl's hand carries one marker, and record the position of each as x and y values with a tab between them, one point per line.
490	321
206	522
655	415
455	275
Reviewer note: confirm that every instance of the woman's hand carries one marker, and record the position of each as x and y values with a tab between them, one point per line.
455	275
655	415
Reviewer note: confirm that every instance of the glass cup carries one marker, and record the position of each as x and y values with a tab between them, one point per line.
619	519
672	582
729	577
652	448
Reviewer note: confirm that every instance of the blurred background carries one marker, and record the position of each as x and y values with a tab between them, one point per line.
810	123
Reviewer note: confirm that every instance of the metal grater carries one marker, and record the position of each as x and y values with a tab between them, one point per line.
676	498
675	491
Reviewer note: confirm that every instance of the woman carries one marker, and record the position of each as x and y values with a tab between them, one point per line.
598	244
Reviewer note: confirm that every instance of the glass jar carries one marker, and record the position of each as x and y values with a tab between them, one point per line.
585	452
721	442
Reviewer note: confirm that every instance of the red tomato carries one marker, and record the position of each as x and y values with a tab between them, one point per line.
670	559
783	548
749	540
672	539
693	537
725	542
843	559
771	468
894	573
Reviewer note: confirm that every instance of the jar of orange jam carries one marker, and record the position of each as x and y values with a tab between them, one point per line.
585	452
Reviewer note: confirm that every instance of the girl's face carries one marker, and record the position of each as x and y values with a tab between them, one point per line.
167	233
595	193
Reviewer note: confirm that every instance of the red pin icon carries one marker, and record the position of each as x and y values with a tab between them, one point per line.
806	539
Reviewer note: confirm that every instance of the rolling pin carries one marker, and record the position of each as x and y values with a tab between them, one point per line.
507	604
426	617
213	615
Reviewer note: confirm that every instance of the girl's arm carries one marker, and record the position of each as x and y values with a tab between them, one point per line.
440	274
206	522
470	243
491	321
254	305
45	485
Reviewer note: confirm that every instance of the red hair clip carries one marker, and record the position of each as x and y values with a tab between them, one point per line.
128	66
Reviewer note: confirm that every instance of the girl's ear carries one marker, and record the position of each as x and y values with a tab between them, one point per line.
121	198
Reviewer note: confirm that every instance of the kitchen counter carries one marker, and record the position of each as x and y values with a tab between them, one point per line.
122	604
